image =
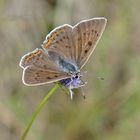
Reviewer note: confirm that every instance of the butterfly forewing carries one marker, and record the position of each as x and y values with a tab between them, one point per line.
60	41
86	35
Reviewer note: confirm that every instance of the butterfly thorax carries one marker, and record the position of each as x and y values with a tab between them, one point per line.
69	67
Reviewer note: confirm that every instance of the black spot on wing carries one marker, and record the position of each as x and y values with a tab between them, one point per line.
55	76
89	43
44	66
36	78
48	77
67	46
86	51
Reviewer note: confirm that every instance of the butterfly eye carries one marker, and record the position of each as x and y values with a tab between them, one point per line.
76	76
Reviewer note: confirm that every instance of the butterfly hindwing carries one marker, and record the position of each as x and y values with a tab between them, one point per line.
40	69
36	76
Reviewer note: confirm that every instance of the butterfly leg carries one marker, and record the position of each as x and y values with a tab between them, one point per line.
71	94
82	92
82	83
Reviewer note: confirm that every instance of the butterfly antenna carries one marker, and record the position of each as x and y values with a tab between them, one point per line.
83	94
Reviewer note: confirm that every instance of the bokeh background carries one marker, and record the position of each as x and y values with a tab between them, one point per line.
111	110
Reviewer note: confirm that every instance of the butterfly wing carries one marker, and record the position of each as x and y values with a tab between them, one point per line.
71	43
39	69
37	76
38	58
86	35
60	41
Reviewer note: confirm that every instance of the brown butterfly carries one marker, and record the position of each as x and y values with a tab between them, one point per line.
63	54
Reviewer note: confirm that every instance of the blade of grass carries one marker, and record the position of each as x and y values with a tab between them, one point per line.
63	88
38	110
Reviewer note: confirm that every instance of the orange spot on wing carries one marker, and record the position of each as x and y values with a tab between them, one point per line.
52	36
32	55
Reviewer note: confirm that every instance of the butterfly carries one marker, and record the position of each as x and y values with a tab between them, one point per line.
63	54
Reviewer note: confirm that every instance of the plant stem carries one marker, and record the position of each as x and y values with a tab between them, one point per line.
38	110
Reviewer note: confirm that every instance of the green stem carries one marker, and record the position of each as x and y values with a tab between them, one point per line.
38	110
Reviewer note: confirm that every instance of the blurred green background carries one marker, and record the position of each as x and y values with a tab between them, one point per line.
111	110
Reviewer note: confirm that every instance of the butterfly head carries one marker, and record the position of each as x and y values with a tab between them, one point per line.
74	81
